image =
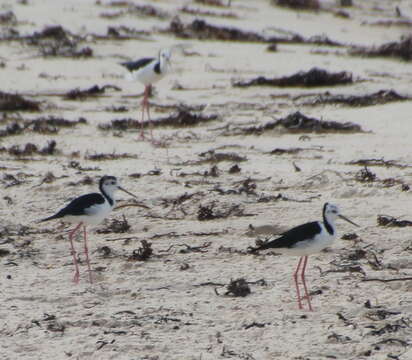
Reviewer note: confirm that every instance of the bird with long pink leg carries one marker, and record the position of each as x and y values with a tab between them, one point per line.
304	240
148	71
89	209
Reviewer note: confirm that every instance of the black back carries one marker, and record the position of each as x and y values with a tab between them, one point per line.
293	236
78	206
138	64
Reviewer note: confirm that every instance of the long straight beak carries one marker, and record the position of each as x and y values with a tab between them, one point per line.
128	192
346	219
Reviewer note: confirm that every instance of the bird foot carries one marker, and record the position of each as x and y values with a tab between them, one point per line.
307	298
76	278
156	143
153	141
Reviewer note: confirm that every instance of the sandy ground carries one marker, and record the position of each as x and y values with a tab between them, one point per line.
167	307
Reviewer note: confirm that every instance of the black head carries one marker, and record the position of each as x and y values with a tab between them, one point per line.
165	54
108	181
331	212
109	184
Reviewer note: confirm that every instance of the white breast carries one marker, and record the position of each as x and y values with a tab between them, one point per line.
147	75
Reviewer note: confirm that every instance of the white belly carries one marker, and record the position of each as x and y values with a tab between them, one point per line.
147	78
308	247
147	75
95	214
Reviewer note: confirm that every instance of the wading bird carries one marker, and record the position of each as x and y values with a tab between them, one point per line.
148	71
89	209
304	240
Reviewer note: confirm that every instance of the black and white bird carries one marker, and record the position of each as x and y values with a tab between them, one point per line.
148	71
304	240
89	209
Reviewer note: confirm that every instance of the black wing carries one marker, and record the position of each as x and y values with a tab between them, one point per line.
292	236
78	206
136	65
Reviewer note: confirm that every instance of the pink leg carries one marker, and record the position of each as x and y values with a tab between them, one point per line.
86	251
304	282
145	106
76	266
295	276
148	115
150	121
142	119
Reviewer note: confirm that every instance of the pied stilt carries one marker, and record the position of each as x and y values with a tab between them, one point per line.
304	240
148	71
89	209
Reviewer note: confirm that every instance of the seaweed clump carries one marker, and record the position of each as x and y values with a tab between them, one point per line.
238	287
218	3
116	226
31	149
148	10
56	41
298	122
109	156
182	118
120	124
123	32
390	221
312	78
210	212
51	124
8	18
41	125
365	175
11	129
199	12
379	97
134	9
16	102
298	4
77	94
143	253
399	49
200	29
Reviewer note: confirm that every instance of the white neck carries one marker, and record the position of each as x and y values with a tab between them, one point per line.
164	65
109	192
